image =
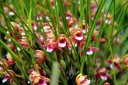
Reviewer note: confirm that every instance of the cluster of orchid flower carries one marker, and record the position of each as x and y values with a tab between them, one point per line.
52	44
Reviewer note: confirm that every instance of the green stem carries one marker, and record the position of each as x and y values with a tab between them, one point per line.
17	75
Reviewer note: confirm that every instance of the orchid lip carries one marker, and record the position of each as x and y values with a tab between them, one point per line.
4	80
41	38
76	26
70	48
86	81
47	18
35	27
11	13
42	83
85	30
107	21
67	17
111	66
62	44
103	77
22	33
79	38
46	28
89	52
49	49
39	18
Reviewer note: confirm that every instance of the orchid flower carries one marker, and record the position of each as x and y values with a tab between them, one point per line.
82	80
115	63
103	74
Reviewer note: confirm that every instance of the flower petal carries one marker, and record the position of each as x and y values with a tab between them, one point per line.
39	18
72	38
111	66
109	61
85	30
4	80
103	77
42	82
79	38
94	49
76	26
11	13
68	17
11	62
41	40
35	27
49	49
89	52
62	44
86	82
117	65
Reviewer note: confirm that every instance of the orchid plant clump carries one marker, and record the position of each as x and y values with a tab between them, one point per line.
63	42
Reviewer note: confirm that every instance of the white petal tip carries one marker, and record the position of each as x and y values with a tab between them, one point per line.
4	80
28	82
88	82
35	27
9	39
89	52
49	49
11	13
62	44
18	48
39	18
85	30
79	38
103	77
76	26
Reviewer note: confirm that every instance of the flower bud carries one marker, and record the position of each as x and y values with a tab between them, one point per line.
24	42
11	46
16	27
4	62
107	83
40	55
1	69
125	60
